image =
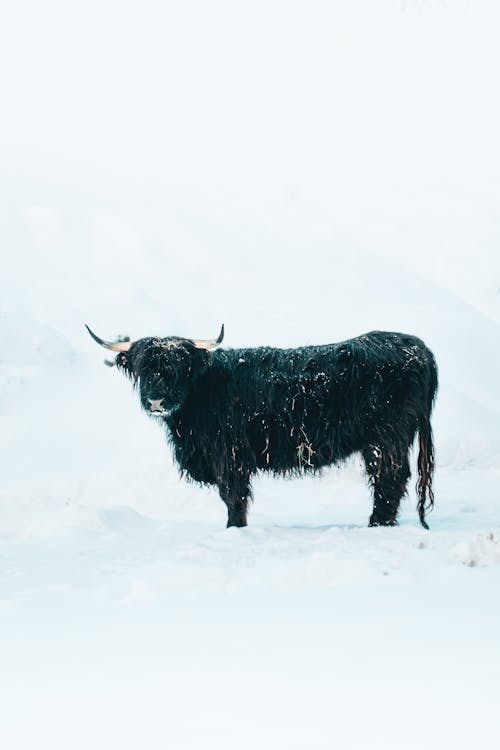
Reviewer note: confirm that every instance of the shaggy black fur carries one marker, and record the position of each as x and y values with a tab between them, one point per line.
230	413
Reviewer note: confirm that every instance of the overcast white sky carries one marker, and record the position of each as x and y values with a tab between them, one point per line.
209	133
214	102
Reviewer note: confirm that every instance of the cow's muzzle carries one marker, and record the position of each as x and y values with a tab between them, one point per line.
155	406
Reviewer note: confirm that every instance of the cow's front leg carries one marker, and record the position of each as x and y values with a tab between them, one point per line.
237	513
236	495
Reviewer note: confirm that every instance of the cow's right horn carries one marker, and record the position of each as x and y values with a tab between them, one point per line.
115	346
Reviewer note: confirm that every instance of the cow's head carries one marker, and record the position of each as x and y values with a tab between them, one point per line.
162	368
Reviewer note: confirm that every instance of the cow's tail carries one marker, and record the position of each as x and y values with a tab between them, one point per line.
426	445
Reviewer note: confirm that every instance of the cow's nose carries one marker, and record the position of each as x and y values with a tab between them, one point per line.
155	404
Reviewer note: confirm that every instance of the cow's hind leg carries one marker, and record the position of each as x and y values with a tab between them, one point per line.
388	470
236	495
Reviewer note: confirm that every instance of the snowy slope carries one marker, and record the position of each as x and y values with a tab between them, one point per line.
303	173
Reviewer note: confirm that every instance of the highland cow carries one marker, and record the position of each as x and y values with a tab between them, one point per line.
230	413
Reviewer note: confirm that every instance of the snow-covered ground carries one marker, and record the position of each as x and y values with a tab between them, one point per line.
302	172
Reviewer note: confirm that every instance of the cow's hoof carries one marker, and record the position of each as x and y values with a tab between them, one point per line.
378	522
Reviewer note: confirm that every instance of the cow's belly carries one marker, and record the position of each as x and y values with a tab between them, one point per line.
303	447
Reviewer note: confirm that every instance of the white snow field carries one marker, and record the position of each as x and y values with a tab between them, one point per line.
303	172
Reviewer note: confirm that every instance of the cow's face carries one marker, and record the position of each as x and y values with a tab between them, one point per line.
163	369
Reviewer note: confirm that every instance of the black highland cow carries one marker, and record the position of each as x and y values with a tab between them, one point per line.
230	413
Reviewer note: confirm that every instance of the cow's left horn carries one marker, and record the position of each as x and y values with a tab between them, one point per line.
209	344
115	346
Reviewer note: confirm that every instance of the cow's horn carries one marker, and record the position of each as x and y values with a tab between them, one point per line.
115	346
209	344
